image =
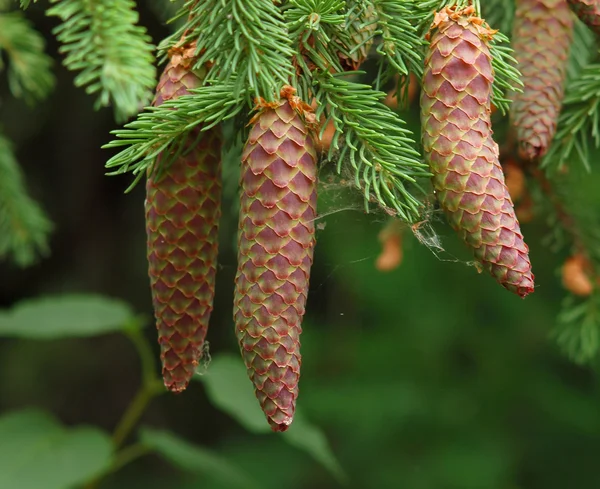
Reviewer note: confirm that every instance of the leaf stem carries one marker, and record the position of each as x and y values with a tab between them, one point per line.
135	410
151	387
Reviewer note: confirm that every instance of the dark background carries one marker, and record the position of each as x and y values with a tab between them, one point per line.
427	377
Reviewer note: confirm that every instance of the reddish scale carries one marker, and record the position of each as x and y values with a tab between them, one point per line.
542	34
463	157
276	242
182	214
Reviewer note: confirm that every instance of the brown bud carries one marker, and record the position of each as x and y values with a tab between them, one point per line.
575	276
391	254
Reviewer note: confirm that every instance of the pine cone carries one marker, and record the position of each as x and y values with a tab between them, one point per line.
276	242
589	12
182	216
463	157
542	35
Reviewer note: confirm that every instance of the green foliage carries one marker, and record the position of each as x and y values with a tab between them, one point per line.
195	459
377	146
38	452
580	119
313	27
228	388
583	50
113	55
401	45
499	14
24	227
66	316
578	328
301	43
29	68
164	130
246	41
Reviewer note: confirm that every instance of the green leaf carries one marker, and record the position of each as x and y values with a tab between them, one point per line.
308	437
66	316
193	458
37	452
230	390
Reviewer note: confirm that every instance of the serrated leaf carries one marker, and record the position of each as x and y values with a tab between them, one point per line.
194	458
229	389
66	316
37	452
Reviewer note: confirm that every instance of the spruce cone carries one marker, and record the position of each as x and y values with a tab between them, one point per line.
276	242
541	39
463	157
182	215
589	12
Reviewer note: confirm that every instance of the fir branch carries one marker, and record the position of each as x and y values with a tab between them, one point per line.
507	77
314	26
29	68
499	14
574	225
578	328
580	119
376	145
164	129
112	53
244	40
24	227
583	50
402	46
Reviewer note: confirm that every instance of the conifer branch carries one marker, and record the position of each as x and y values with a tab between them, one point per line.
401	45
24	227
244	40
574	226
314	26
499	13
29	67
583	50
376	145
113	55
164	130
580	119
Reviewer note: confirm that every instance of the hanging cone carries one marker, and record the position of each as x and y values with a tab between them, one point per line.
276	242
182	216
463	157
542	34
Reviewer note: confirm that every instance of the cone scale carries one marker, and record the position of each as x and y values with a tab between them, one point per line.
275	252
542	34
182	214
462	155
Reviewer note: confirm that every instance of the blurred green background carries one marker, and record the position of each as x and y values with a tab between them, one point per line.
427	377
